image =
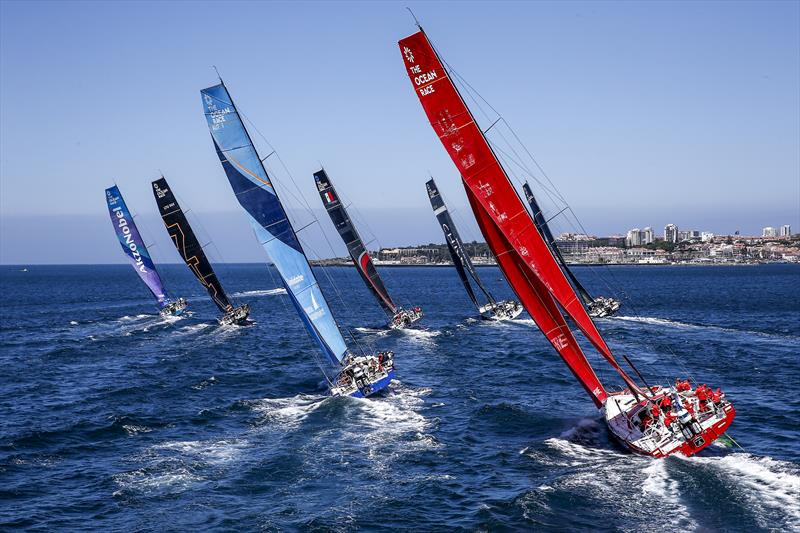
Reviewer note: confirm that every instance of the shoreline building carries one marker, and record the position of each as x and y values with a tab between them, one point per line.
671	233
637	237
786	230
769	231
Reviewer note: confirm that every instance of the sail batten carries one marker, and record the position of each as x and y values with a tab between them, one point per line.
492	194
185	241
254	191
355	245
133	245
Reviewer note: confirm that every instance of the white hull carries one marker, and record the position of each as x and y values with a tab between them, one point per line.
405	317
684	430
236	315
602	307
505	310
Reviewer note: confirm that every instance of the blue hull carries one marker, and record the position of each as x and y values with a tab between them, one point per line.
375	387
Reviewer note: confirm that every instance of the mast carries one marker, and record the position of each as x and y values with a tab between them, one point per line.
544	229
257	195
455	245
186	243
355	245
133	245
497	205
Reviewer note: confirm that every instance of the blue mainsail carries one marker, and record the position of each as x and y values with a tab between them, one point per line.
133	245
256	194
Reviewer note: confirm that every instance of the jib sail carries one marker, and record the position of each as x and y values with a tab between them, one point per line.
461	260
186	243
258	197
544	229
355	246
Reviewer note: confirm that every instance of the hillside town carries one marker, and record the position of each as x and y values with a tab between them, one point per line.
673	246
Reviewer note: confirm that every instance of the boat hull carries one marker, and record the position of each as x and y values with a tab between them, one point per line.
505	310
706	423
603	307
404	318
375	387
175	308
235	316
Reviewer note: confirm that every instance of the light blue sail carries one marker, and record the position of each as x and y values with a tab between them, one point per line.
256	194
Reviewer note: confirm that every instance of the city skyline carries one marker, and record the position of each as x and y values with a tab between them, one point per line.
628	129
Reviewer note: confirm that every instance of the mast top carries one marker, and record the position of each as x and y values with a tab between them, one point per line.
416	21
218	76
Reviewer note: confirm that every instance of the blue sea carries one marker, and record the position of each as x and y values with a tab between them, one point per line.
115	419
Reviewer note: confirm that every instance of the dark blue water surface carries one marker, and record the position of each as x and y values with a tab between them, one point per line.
113	418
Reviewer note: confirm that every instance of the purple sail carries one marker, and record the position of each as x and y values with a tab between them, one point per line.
133	245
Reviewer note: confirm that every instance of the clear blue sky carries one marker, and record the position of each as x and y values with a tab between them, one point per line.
642	113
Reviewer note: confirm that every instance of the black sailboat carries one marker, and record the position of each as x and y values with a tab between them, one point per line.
598	307
191	251
399	317
494	310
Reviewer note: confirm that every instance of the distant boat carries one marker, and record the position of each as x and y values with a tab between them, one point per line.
399	317
192	253
354	375
135	249
493	310
655	421
598	307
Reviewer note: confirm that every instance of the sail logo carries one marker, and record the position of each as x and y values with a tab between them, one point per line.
329	197
427	77
560	342
159	191
295	279
409	54
485	189
127	237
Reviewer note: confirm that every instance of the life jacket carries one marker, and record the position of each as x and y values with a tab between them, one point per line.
701	393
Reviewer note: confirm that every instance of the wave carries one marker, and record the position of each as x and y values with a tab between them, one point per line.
654	321
769	485
261	292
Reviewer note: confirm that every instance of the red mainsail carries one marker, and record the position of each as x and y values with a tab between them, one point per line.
520	250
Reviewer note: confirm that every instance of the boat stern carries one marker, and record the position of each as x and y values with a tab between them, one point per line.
673	419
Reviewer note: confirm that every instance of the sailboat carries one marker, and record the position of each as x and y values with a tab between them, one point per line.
399	317
655	421
135	249
493	310
192	253
599	307
357	375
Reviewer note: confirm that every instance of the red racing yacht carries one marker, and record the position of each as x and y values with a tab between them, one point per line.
654	421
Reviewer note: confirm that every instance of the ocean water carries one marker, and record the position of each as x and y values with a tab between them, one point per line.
112	418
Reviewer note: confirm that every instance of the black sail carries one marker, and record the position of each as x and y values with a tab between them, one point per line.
544	229
455	245
186	243
355	246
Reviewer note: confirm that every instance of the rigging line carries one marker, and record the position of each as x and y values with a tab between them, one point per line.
512	149
530	155
547	190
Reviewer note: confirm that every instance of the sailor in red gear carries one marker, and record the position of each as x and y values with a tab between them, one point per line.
668	418
655	411
702	393
716	396
666	403
688	406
